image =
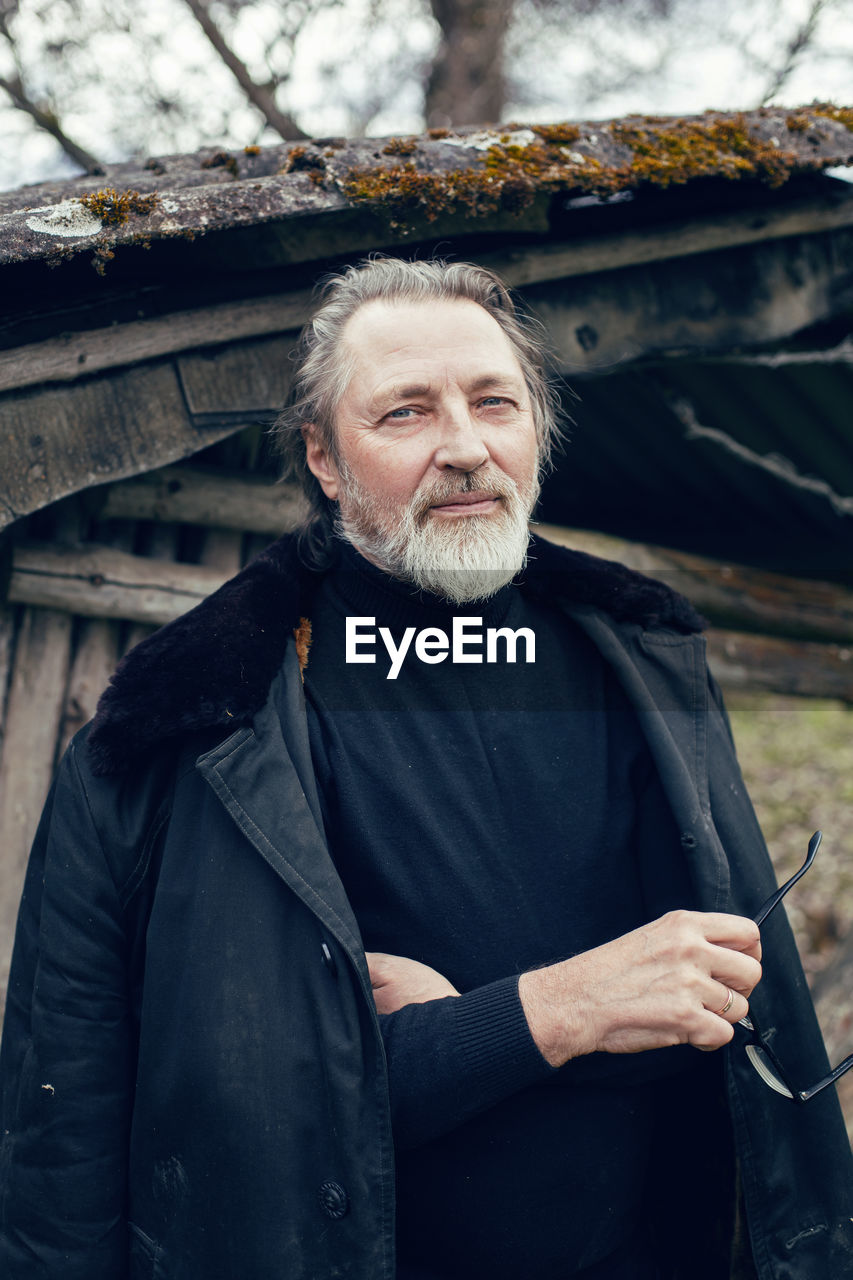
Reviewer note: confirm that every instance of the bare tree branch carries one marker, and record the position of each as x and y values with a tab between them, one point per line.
259	95
45	119
800	40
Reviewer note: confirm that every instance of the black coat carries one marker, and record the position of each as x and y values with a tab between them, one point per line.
193	1079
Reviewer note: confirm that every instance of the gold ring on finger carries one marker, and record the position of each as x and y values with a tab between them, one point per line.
729	1002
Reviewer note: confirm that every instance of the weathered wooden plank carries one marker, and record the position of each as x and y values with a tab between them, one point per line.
26	765
74	355
769	664
100	582
751	295
252	376
222	550
7	637
192	495
94	662
62	439
162	544
531	264
730	595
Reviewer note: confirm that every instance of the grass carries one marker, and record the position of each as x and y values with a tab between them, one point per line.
797	758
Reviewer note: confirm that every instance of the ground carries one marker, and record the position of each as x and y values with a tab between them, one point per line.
797	758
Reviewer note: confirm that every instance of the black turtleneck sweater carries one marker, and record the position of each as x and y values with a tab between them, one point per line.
486	819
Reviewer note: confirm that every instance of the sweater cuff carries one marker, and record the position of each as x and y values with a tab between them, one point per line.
496	1042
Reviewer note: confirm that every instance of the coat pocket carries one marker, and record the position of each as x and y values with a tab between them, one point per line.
146	1257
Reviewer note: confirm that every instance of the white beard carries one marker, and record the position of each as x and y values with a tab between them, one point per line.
463	559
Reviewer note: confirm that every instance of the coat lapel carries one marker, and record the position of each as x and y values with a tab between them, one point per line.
663	675
263	778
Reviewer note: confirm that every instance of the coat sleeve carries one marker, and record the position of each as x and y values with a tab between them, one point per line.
65	1063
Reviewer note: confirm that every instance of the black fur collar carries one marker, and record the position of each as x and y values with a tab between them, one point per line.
213	666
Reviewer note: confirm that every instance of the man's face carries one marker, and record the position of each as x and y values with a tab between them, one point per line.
437	462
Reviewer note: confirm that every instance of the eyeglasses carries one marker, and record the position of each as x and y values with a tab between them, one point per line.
758	1050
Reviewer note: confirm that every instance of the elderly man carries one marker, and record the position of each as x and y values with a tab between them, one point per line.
394	890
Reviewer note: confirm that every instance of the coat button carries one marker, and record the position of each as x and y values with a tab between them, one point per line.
688	840
329	960
334	1201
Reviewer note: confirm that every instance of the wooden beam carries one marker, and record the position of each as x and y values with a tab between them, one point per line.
764	664
161	544
7	636
749	296
730	595
222	549
678	239
59	440
94	662
226	381
100	582
34	709
194	495
76	355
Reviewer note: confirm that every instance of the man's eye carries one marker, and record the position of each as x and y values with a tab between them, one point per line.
400	415
488	401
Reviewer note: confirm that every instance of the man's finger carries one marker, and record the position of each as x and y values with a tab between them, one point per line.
739	933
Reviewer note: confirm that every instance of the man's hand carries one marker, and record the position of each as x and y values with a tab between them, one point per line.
397	981
666	983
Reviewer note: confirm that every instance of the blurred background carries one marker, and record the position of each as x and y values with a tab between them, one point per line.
88	81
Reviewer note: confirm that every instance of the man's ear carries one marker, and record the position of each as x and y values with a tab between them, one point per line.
320	462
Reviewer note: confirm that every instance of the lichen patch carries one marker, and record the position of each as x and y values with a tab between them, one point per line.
488	138
68	219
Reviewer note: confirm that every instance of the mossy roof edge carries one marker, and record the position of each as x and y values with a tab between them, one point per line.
477	172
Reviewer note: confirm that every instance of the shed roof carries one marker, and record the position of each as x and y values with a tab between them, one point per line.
496	176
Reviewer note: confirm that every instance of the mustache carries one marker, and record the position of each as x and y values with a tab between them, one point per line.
492	482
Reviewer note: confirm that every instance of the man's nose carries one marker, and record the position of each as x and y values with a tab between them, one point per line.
462	445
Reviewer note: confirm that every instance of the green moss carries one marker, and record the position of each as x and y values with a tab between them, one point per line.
115	207
557	134
301	159
648	151
399	147
102	255
844	115
222	160
544	166
251	151
798	123
689	149
406	193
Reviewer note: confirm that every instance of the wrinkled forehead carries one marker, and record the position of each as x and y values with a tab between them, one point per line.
382	333
385	317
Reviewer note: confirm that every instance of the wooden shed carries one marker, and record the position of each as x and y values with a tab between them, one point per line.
696	279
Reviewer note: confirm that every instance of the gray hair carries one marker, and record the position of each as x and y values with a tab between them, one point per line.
324	367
